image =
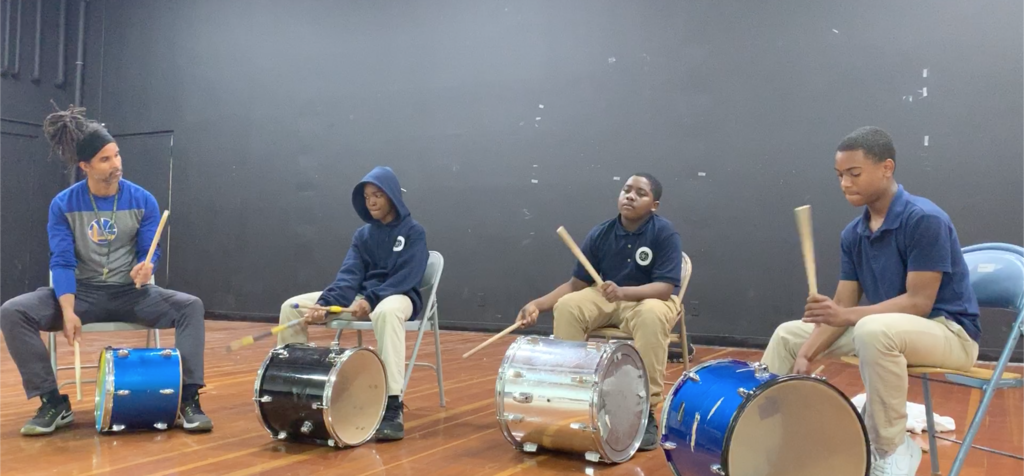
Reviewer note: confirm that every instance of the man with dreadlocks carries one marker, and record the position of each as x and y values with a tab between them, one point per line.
100	230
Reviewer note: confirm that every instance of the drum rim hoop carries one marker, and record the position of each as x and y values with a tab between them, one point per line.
606	353
778	381
329	389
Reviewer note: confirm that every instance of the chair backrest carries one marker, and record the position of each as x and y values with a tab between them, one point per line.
997	275
431	278
685	278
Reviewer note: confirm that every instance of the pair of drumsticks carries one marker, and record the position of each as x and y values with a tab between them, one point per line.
238	344
583	260
149	258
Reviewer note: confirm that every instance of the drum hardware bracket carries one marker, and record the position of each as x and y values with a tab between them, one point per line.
668	445
123	392
263	399
280	353
820	377
691	376
166	353
530	447
116	427
307	427
516	374
512	417
122	353
330	442
319	406
160	426
717	469
744	392
282	435
522	397
760	370
593	456
582	427
167	391
581	380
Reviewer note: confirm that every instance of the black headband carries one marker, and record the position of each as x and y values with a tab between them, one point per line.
92	143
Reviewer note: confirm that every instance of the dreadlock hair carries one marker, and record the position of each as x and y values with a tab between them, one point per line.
73	137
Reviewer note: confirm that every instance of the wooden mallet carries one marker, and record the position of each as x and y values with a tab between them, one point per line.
156	240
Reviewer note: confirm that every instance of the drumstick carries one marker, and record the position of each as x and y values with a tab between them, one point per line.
156	240
803	227
78	371
492	339
255	337
579	254
818	372
330	309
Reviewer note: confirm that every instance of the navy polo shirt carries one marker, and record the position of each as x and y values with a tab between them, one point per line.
915	236
651	254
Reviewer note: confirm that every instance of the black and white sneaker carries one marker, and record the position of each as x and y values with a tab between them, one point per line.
191	415
391	427
52	414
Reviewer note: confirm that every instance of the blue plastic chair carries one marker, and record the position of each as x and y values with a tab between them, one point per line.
997	276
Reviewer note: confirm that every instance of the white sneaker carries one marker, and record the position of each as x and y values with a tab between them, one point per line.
903	462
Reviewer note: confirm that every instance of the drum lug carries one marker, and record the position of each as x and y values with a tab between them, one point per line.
691	376
522	397
166	353
330	442
516	374
717	469
530	447
282	435
167	391
116	427
744	392
819	377
123	392
263	399
581	380
760	370
160	426
122	353
581	427
319	406
282	353
307	427
593	456
668	445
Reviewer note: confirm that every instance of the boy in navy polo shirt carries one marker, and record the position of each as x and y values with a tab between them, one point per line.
639	256
100	230
903	255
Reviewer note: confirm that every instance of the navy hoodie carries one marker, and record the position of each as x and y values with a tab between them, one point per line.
383	260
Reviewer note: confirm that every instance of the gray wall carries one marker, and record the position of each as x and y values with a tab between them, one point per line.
28	178
277	108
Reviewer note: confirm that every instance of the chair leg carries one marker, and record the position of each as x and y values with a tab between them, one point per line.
986	399
359	338
437	355
684	344
156	337
53	353
149	334
933	451
411	364
337	338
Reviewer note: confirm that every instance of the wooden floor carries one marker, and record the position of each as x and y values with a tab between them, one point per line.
462	438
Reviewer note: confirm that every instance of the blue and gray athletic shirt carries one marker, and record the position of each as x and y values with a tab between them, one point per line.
80	237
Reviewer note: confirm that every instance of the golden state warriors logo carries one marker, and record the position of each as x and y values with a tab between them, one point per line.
102	231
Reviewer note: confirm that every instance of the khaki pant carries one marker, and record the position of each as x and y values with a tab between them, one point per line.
388	320
886	344
649	322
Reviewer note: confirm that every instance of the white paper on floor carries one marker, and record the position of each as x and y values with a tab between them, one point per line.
916	422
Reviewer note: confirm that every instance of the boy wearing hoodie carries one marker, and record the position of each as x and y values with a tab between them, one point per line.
379	280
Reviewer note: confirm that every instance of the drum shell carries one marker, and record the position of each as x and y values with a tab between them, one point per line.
296	384
555	387
137	389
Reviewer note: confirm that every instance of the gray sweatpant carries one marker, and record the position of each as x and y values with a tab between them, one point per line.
22	317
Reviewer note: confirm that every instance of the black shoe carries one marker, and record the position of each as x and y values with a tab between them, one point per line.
191	415
52	414
650	439
391	427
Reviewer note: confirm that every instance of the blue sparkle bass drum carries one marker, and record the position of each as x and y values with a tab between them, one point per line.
734	418
137	389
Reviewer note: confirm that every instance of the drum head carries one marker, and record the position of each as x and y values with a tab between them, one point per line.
797	426
104	380
358	394
623	403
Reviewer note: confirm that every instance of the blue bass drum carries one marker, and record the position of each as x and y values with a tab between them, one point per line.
137	389
734	418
